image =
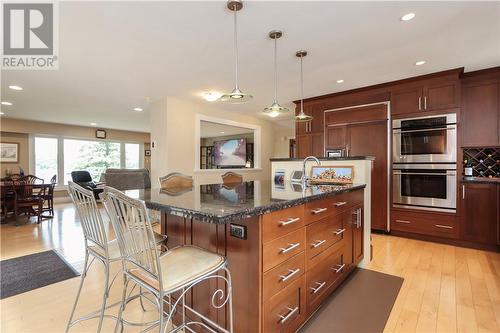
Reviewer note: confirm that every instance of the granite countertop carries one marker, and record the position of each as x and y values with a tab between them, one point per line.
218	203
484	180
343	158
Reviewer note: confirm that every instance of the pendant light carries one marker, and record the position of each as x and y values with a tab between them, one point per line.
302	116
275	109
236	95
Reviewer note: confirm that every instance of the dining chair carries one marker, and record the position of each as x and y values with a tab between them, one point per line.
231	177
32	179
177	270
98	247
7	197
49	197
27	198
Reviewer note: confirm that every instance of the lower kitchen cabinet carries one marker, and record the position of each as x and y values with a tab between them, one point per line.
423	222
480	213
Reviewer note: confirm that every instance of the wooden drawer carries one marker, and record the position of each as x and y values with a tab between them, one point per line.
281	222
277	251
341	202
427	223
317	210
318	279
286	311
337	265
322	234
283	275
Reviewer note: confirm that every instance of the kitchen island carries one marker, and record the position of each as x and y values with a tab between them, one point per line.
287	247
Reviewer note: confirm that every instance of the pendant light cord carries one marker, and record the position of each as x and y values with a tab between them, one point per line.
275	70
301	87
236	47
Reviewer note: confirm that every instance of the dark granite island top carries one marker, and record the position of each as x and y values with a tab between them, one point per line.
218	203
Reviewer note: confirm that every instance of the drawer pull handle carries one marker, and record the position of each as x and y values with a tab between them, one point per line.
289	248
339	268
339	232
443	226
289	275
340	203
403	221
291	312
320	285
319	210
289	221
318	243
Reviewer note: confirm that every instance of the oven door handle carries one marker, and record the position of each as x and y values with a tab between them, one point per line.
453	173
448	128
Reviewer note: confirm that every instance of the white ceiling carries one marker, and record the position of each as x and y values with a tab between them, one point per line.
115	54
212	130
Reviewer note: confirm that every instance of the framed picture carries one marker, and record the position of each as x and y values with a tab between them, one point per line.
100	134
147	152
332	174
279	179
9	152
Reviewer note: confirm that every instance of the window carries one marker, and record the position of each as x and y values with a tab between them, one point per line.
60	156
93	156
132	155
45	158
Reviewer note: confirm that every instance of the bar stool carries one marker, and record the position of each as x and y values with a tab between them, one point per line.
98	247
174	271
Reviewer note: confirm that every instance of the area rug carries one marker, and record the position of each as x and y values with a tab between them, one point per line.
22	274
362	304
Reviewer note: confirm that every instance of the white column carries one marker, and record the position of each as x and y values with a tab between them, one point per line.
159	142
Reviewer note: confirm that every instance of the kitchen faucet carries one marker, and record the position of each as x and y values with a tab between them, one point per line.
304	176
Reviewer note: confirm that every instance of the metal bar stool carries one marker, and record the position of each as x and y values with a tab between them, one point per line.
174	271
98	247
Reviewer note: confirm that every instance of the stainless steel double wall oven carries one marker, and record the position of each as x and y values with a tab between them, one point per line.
425	162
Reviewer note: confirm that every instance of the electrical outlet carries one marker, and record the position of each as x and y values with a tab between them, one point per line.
238	231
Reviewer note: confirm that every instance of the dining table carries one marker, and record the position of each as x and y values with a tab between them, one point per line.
8	189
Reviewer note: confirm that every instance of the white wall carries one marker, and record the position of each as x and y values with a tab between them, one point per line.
173	124
282	136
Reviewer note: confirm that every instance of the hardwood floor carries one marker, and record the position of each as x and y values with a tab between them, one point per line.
446	288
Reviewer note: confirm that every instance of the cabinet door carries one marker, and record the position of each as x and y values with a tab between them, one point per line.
407	100
373	144
304	145
317	144
357	234
336	137
441	96
317	124
480	213
480	114
348	222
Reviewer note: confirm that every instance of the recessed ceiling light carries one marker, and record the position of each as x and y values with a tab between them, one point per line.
408	17
1	113
14	87
340	81
138	109
211	96
6	103
420	63
93	124
222	132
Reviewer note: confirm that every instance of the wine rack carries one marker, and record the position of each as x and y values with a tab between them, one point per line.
485	161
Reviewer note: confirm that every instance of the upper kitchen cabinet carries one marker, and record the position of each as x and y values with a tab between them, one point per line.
316	125
406	100
481	111
310	145
426	94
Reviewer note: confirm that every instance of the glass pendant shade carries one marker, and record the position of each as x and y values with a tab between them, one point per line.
302	116
275	108
236	96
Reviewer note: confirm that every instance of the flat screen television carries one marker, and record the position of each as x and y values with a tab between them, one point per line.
230	153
